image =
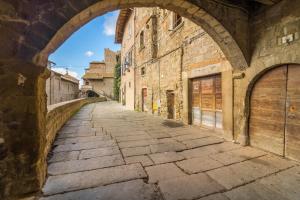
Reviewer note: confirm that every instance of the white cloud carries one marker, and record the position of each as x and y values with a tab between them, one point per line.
109	24
63	71
89	53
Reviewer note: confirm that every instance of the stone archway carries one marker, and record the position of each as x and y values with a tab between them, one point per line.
31	30
205	14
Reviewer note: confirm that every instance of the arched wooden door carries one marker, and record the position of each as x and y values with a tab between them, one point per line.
274	123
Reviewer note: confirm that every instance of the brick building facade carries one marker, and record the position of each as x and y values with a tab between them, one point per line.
170	57
99	77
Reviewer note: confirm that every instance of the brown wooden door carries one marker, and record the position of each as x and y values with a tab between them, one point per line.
275	112
171	104
267	115
196	112
207	101
292	131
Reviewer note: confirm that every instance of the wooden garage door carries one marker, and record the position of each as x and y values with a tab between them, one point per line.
274	114
207	101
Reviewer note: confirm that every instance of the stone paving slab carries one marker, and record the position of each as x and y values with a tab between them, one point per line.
165	157
144	160
191	136
77	134
218	196
238	155
92	153
250	170
202	142
83	146
135	151
159	135
64	156
189	187
82	180
254	191
196	165
137	143
121	132
167	146
209	172
209	150
84	165
81	139
75	129
131	190
132	138
163	172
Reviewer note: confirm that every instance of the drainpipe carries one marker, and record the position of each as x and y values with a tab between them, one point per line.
134	60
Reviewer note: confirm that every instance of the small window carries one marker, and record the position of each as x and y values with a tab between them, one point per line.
129	84
143	71
142	39
177	20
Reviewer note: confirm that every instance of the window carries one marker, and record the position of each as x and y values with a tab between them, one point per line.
142	40
129	84
143	71
177	20
129	58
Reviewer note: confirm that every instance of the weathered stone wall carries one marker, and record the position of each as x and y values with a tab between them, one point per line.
268	29
59	114
127	89
104	85
22	119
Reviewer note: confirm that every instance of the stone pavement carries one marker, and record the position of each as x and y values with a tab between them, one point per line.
108	153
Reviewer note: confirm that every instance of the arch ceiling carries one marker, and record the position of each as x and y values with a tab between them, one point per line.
31	30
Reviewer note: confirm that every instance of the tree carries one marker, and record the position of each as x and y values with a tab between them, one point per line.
117	81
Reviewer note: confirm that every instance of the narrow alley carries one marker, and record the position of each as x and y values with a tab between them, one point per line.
107	152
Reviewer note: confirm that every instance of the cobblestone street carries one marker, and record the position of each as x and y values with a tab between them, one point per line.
107	152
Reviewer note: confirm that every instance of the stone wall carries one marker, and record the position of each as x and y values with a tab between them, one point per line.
127	88
268	29
59	114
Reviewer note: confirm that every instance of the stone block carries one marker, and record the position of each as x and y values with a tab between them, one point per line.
131	190
83	180
163	172
137	143
92	153
238	155
64	156
250	170
202	142
165	157
84	165
189	187
144	160
135	151
132	138
196	165
84	146
168	146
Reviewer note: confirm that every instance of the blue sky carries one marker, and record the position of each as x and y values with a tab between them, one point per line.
86	45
